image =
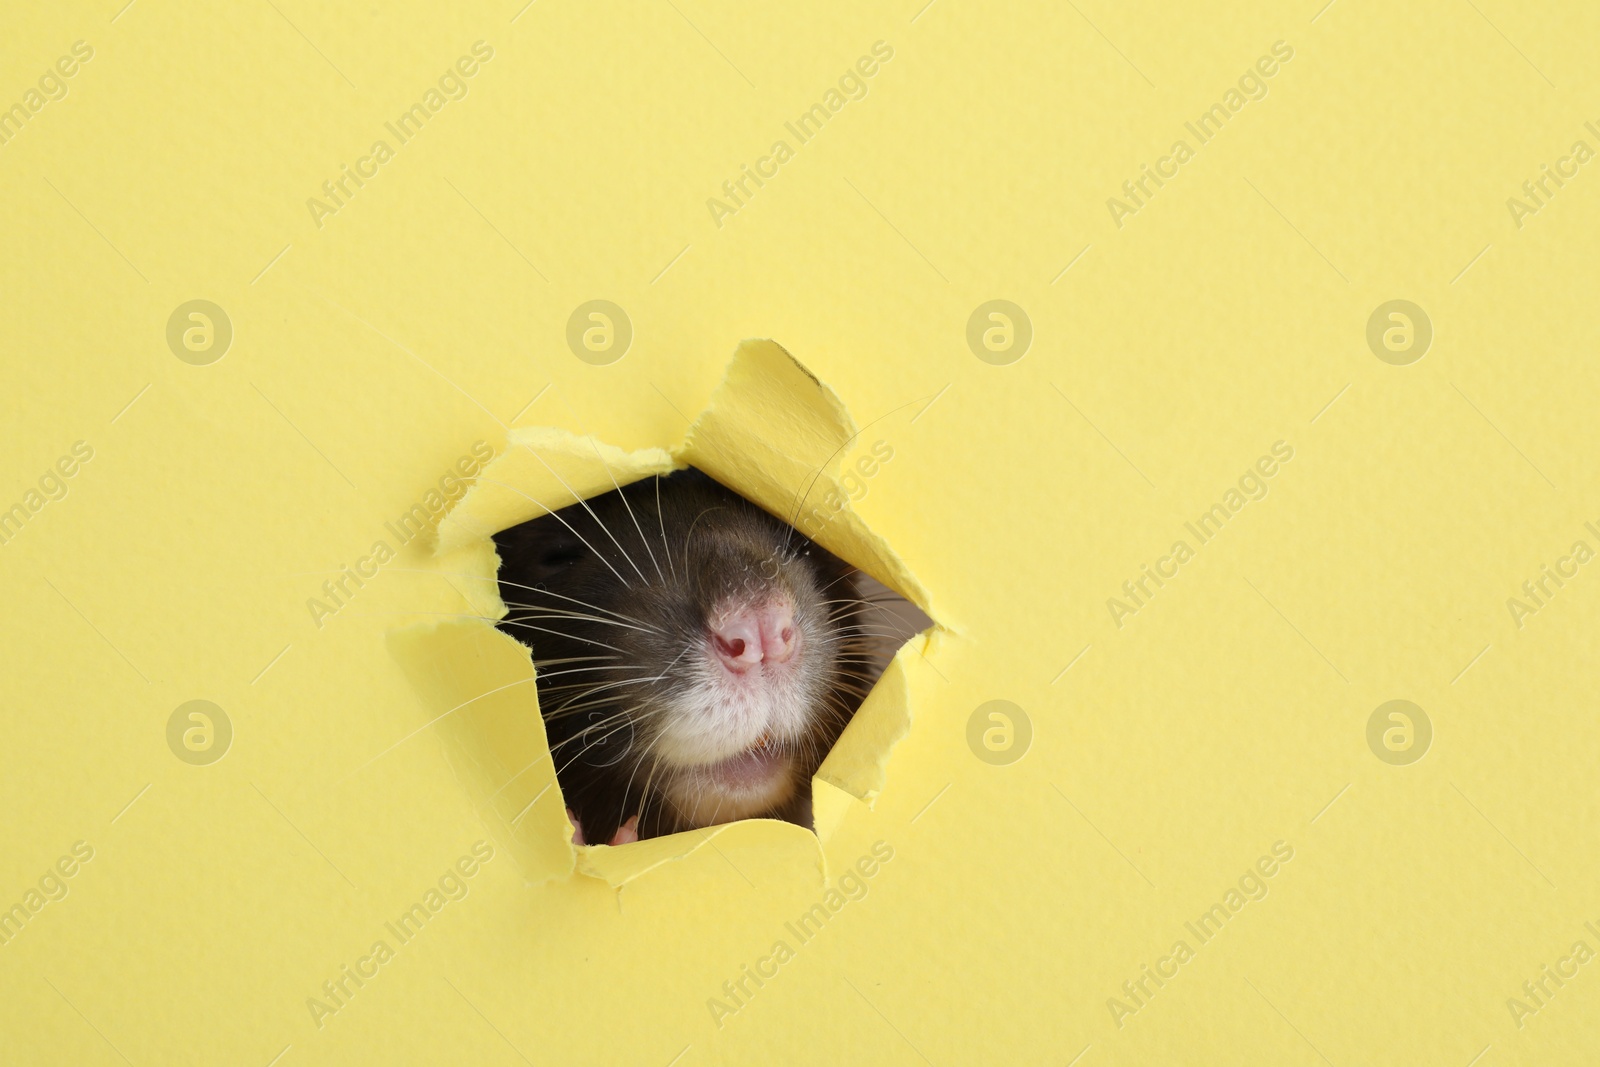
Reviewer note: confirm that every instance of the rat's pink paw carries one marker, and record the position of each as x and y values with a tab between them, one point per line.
626	833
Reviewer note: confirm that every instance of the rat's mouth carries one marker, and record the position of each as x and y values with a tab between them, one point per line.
740	786
754	768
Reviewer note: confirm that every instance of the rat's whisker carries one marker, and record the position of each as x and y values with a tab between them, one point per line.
585	505
624	497
570	599
557	516
597	620
648	719
662	522
558	633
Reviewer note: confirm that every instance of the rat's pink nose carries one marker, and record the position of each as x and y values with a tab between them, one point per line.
748	635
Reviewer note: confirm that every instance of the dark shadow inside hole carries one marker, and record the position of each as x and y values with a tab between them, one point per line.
697	657
894	619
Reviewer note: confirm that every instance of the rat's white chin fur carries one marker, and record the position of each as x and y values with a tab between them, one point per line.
719	716
724	746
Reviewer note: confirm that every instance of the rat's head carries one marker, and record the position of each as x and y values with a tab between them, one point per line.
694	653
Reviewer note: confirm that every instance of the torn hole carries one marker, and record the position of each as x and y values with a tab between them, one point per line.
697	658
777	437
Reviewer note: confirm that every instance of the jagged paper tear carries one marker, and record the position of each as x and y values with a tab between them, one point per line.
773	433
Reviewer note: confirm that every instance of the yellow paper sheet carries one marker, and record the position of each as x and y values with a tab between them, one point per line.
1218	378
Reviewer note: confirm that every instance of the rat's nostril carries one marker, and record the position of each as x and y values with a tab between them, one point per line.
778	638
748	635
736	637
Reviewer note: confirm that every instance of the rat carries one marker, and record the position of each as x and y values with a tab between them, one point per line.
696	656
